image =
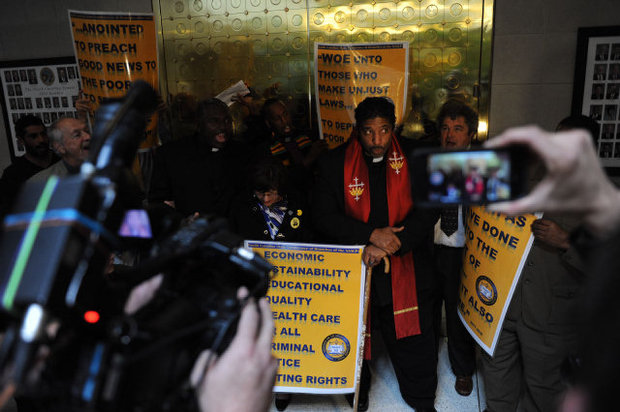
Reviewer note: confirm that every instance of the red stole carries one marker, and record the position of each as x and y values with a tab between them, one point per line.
357	205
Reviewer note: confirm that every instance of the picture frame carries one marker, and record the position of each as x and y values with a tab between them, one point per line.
596	91
31	86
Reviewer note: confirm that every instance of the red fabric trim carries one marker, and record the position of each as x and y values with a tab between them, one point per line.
400	203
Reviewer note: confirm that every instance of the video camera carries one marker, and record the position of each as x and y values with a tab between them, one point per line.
68	345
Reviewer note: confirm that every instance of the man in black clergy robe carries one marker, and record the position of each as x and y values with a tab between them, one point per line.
363	196
200	173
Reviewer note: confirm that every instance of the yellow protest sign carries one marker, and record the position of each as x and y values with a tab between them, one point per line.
316	296
113	50
346	74
496	248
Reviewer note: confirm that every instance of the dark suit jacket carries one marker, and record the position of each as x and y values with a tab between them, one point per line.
549	294
197	179
246	219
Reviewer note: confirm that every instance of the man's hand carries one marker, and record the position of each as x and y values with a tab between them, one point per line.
574	183
317	147
385	238
372	255
82	106
242	378
549	232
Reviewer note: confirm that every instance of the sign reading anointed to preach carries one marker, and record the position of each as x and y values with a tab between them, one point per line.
113	50
316	296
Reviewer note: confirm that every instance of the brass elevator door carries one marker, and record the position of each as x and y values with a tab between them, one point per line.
207	45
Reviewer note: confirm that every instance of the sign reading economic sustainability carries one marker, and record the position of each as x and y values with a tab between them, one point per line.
113	50
496	248
346	74
316	296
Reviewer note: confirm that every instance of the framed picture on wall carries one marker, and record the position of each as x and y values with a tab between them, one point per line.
597	87
40	87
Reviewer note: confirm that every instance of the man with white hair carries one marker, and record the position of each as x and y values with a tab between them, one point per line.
70	139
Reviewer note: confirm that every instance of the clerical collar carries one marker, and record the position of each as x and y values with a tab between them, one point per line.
215	149
377	159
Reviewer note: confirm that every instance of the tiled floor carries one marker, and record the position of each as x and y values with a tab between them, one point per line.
384	394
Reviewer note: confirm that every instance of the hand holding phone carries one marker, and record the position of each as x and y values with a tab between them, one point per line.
479	176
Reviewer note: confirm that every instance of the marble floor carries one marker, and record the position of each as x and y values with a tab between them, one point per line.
384	394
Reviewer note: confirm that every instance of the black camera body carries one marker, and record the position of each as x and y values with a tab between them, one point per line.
68	344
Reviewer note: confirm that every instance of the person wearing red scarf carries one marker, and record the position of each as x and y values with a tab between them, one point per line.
363	196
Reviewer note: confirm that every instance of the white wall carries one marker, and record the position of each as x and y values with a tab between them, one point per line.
534	57
533	62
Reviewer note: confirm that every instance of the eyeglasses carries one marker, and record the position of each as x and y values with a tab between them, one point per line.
266	194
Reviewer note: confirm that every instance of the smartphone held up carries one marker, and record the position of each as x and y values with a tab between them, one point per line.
473	177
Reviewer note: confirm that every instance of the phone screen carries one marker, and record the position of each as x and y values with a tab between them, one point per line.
136	224
470	177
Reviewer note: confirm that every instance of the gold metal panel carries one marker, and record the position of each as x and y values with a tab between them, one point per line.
317	37
431	59
238	25
336	3
200	27
297	68
455	34
407	13
177	28
257	23
431	35
220	26
362	35
256	5
385	14
197	7
277	22
318	20
296	5
431	11
456	11
277	44
258	45
238	47
175	8
454	58
216	7
340	36
476	11
201	47
236	6
414	64
384	34
362	16
206	45
339	18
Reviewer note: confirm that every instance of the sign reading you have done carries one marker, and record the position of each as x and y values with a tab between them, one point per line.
345	74
113	50
316	296
496	248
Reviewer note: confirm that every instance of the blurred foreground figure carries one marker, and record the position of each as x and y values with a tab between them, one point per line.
540	330
575	183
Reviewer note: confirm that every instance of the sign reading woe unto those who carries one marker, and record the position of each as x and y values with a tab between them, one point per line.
345	74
